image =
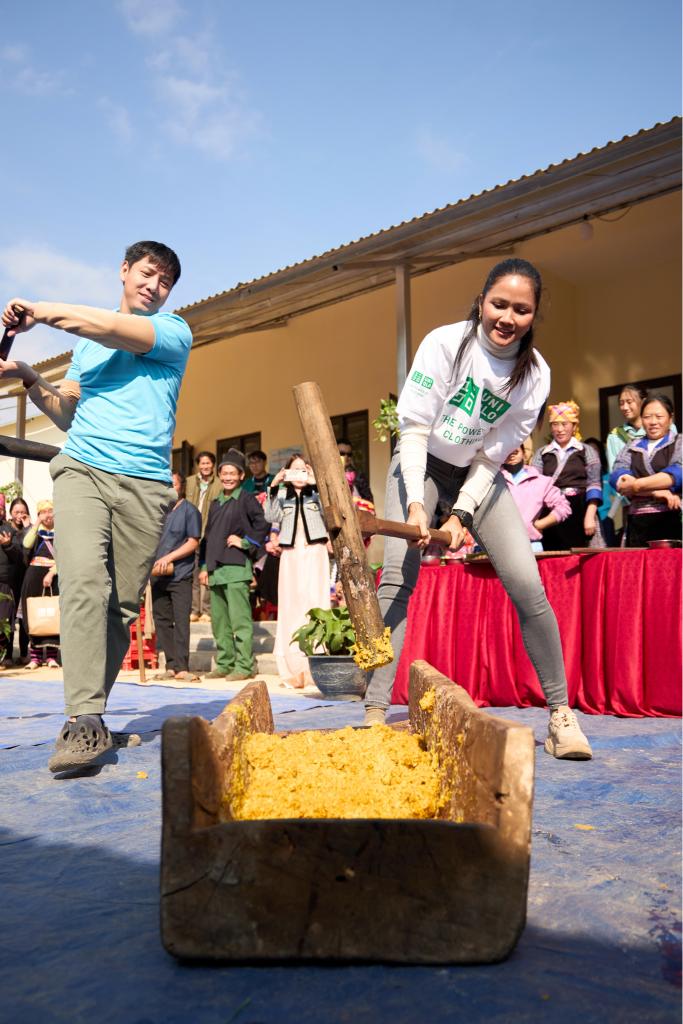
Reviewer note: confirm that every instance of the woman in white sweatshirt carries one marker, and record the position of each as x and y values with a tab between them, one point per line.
474	392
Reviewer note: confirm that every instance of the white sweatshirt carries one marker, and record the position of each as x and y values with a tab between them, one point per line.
471	421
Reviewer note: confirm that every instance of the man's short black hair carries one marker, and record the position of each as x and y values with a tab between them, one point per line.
158	253
344	440
257	454
206	455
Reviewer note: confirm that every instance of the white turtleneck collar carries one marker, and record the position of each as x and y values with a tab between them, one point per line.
508	352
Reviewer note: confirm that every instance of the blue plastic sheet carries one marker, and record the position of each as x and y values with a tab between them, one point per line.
79	873
32	713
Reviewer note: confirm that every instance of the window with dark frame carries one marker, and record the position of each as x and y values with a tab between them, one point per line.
182	459
244	443
610	414
354	427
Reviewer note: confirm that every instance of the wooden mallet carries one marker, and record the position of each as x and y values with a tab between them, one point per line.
371	526
372	637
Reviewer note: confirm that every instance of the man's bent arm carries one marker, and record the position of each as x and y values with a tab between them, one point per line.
59	403
124	331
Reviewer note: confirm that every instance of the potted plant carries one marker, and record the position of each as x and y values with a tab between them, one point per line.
386	423
328	641
6	632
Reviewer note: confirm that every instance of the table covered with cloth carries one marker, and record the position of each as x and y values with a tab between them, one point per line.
620	621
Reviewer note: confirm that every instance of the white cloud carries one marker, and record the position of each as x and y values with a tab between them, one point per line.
39	83
199	97
439	152
151	18
13	54
195	55
27	79
117	118
41	272
206	116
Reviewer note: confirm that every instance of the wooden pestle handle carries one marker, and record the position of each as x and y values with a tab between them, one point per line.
370	525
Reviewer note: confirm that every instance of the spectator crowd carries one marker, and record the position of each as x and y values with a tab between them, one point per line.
242	544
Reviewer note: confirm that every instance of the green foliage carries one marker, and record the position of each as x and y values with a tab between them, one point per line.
386	423
327	630
6	631
11	491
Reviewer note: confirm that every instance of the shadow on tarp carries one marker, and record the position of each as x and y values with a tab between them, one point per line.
79	877
80	941
32	714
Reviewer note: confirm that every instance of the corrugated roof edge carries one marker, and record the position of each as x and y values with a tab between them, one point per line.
429	213
53	361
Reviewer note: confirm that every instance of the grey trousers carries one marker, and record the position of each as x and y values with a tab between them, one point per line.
499	530
107	529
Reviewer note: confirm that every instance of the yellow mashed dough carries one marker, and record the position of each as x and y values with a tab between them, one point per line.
350	773
375	653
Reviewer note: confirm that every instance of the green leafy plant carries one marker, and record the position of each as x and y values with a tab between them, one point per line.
11	491
328	631
6	631
386	423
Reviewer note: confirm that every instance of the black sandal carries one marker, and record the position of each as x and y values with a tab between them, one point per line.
80	743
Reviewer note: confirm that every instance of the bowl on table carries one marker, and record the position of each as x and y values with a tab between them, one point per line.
667	543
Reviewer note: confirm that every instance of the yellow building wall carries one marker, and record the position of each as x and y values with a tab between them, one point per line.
611	312
244	384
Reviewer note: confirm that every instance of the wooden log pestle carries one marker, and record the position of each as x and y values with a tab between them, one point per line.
372	637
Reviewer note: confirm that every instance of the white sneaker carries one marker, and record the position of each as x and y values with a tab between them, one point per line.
375	716
565	738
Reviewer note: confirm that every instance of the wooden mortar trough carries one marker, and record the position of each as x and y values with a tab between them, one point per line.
447	890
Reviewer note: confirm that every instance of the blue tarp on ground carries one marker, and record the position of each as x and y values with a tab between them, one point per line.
79	874
37	715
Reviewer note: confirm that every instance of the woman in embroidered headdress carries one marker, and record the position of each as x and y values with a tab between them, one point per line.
648	473
575	469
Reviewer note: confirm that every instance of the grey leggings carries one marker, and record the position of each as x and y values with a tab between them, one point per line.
499	530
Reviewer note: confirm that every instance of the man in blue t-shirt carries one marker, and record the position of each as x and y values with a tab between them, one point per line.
112	480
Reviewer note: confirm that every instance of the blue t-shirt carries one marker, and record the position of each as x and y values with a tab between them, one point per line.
125	417
181	523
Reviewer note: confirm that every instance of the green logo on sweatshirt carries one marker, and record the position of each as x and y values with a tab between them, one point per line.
492	406
466	398
422	380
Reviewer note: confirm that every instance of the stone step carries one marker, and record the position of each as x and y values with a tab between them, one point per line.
203	647
205	659
201	637
204	628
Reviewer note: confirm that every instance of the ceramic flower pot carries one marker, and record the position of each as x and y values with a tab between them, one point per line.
337	676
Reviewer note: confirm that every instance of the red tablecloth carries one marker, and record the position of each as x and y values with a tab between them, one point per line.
620	621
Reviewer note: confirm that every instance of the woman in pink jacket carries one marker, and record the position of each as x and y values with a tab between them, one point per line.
534	494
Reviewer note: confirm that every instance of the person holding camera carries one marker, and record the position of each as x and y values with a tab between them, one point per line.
293	503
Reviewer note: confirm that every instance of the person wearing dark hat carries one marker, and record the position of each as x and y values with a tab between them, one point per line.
235	530
260	480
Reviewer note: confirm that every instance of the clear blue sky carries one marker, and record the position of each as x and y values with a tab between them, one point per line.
256	134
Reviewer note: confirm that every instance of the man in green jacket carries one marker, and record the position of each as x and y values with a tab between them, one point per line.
202	488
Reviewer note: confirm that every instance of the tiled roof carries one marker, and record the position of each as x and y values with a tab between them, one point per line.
340	250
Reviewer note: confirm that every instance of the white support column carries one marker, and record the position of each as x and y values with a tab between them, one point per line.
402	324
20	432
